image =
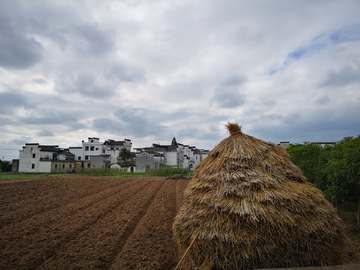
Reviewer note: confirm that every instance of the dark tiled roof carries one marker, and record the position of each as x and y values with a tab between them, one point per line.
65	152
113	143
49	148
159	147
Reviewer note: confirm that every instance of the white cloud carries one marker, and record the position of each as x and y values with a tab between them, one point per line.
151	70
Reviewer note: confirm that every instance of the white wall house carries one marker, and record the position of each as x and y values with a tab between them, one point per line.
30	155
97	154
36	158
321	144
175	155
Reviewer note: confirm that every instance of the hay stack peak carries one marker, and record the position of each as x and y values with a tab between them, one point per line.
233	128
251	208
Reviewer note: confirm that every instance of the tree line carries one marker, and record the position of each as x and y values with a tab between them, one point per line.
333	169
5	166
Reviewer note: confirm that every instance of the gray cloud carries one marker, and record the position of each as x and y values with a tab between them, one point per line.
123	73
227	94
21	141
321	99
6	121
347	75
85	83
11	101
46	133
94	41
150	71
330	124
188	134
234	81
131	121
17	50
39	81
138	122
53	118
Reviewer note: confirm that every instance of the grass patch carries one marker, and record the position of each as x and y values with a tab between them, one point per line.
28	175
106	172
18	176
168	171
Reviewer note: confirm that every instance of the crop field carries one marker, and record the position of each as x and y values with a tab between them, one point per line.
85	222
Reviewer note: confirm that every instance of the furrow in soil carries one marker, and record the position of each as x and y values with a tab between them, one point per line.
22	200
150	246
97	246
42	235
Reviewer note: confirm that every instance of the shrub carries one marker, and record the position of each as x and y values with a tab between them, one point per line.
168	171
101	171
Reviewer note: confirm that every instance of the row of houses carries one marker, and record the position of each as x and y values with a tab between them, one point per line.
173	155
37	158
321	144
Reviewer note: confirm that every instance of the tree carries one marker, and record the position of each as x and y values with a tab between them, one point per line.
307	158
126	156
5	166
335	170
343	171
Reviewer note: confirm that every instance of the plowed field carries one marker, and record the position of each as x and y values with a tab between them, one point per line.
89	223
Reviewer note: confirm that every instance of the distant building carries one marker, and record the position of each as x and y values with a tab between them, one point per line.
38	158
174	155
284	144
321	144
96	154
15	165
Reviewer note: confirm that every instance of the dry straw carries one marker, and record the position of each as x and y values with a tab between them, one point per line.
251	208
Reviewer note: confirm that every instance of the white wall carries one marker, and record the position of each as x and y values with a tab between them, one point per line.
114	154
26	158
171	158
44	167
94	144
78	152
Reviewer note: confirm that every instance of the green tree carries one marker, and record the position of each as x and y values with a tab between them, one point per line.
5	166
126	156
307	158
343	171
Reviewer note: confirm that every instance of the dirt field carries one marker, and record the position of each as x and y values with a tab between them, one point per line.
93	223
88	223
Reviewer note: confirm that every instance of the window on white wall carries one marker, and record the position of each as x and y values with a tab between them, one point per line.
32	166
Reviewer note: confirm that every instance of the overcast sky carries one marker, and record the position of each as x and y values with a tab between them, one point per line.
153	70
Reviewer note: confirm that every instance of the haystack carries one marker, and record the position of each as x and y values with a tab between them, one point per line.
249	207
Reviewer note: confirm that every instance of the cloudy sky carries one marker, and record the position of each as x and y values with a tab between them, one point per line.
151	70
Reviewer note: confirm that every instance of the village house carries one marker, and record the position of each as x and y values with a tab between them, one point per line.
174	155
36	158
96	154
321	144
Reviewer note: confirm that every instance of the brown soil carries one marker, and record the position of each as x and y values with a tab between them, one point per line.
94	223
88	223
